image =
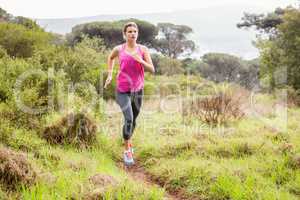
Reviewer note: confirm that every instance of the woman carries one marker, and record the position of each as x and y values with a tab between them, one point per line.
134	59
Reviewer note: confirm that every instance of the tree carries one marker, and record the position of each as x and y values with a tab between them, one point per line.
220	67
191	65
263	23
279	53
173	40
289	43
249	73
4	16
28	23
111	32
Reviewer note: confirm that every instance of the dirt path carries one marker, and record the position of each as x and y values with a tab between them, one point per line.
138	173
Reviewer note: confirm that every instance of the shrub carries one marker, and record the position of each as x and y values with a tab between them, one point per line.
3	52
20	41
215	109
5	131
294	161
75	128
169	66
293	97
15	170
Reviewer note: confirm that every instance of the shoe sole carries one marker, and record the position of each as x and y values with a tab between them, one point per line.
129	164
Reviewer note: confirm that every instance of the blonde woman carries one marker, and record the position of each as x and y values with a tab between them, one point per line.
134	59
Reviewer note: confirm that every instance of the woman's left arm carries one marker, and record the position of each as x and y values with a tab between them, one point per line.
148	64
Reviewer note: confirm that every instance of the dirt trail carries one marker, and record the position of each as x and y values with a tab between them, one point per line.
138	173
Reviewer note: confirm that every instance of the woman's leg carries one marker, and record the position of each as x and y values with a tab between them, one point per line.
124	101
136	106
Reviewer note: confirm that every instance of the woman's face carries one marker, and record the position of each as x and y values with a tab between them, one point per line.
131	33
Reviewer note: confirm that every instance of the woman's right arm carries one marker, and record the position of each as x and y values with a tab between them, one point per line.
110	63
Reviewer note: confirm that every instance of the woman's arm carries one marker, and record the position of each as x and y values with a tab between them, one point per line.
148	64
110	63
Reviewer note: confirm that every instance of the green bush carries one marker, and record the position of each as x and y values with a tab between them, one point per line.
78	129
6	130
169	66
10	70
3	53
28	90
20	41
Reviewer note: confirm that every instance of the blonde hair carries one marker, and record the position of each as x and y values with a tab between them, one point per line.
128	24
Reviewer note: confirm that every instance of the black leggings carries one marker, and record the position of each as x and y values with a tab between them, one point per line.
130	104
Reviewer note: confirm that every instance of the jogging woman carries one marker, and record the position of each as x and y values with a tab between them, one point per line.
134	59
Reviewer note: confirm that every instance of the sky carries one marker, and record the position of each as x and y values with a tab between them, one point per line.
70	9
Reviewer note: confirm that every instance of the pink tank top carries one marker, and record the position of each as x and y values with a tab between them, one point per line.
131	73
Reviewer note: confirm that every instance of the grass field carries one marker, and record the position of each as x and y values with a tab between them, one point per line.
255	157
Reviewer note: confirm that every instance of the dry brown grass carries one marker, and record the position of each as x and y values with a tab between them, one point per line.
293	97
96	187
215	109
295	161
15	170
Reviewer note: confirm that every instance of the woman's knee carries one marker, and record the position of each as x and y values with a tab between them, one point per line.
128	125
128	129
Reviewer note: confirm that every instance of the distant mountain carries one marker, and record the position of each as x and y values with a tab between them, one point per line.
214	27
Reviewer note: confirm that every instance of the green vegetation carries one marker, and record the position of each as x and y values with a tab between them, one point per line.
280	51
201	134
246	160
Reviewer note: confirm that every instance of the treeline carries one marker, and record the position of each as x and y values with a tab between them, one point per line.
279	46
172	47
168	39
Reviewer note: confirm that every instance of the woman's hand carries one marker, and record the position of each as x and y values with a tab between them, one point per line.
137	57
108	81
147	63
110	62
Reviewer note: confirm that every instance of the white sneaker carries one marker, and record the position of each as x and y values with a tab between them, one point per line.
128	159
